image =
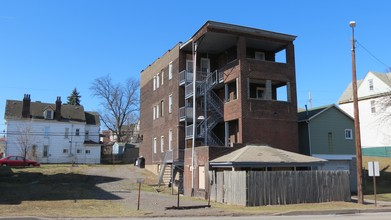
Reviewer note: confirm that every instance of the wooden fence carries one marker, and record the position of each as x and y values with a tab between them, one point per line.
255	188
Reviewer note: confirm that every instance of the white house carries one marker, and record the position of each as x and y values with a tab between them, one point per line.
52	133
373	93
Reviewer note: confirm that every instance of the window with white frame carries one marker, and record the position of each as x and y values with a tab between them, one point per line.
66	134
48	114
78	151
154	145
46	132
157	111
154	83
88	151
157	80
370	83
170	70
77	132
170	103
373	106
170	139
87	135
162	144
162	77
154	112
348	134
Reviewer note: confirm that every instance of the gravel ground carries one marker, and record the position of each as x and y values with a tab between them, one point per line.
151	203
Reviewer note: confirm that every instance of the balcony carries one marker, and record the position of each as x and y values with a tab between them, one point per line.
185	113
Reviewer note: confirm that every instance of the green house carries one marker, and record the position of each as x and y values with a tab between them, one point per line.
328	132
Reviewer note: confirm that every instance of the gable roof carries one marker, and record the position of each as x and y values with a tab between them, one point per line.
13	110
347	95
264	156
313	113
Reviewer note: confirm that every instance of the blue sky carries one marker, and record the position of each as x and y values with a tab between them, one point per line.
47	48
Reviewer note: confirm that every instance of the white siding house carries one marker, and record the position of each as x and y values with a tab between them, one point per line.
373	92
52	133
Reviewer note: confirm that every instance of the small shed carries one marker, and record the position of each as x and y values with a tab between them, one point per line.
261	175
263	157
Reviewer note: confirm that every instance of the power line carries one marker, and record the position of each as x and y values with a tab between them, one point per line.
388	67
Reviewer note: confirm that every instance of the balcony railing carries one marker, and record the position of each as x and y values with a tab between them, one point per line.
189	131
185	113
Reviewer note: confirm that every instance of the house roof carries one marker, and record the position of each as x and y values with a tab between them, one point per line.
347	95
313	113
264	156
13	110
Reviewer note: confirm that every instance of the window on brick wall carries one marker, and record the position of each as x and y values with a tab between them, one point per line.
162	77
154	145
170	70
162	144
170	139
154	83
157	80
170	103
162	108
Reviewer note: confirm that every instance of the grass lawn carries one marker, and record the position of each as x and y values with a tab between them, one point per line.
66	191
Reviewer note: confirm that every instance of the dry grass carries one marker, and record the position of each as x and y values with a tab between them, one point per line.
65	191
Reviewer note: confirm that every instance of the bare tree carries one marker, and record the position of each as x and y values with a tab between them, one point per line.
120	102
25	139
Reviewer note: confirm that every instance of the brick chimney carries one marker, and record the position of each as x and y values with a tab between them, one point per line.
26	106
58	109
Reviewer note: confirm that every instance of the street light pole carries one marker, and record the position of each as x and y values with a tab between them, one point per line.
360	198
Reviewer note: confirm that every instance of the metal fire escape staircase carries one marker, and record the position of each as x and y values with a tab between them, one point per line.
215	109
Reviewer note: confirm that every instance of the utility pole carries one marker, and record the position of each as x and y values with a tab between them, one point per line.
360	198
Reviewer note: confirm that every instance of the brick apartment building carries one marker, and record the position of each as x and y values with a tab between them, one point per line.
244	91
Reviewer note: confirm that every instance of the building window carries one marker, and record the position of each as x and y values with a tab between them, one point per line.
170	70
46	132
162	77
259	92
373	106
154	112
170	103
48	114
330	141
87	136
348	134
154	145
88	151
157	111
154	83
170	140
162	144
162	108
370	83
66	133
189	66
157	80
64	151
78	151
77	132
259	55
45	150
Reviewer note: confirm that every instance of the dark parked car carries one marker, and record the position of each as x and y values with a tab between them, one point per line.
15	161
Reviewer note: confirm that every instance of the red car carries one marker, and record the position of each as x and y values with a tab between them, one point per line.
15	161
